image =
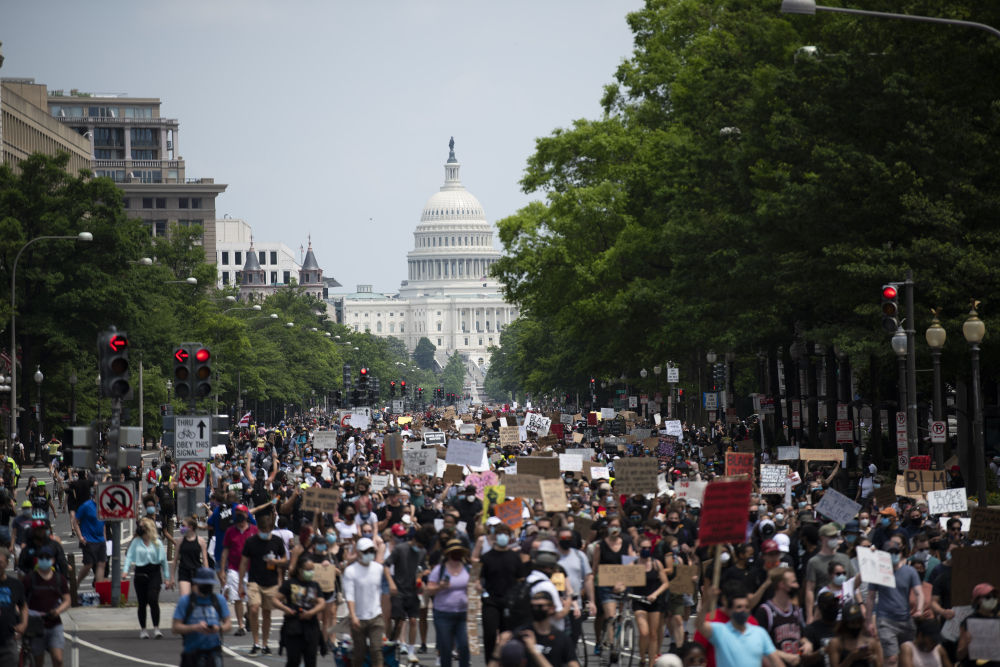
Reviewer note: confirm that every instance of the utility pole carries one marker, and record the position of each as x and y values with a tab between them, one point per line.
911	368
114	454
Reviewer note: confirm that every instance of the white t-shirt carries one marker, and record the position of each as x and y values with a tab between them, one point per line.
363	587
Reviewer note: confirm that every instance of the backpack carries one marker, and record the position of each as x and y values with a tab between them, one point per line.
192	605
517	603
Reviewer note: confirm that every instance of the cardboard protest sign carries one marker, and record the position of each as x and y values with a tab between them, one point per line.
876	567
788	453
972	566
325	440
821	454
744	446
578	437
320	500
740	463
624	575
547	467
985	524
636	475
884	496
917	483
509	436
509	513
325	576
568	462
453	474
772	478
548	441
837	507
464	453
420	461
553	495
537	423
724	512
392	446
985	644
522	486
690	492
709	451
599	472
683	582
947	501
380	483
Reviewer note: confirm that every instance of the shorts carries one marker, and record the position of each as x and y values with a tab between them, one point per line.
329	596
891	634
184	574
261	596
405	605
52	638
604	594
94	553
231	591
673	604
648	607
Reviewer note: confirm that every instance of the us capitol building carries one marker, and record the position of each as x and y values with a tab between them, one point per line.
448	295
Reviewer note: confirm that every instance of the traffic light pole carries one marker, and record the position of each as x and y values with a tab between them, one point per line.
911	369
114	454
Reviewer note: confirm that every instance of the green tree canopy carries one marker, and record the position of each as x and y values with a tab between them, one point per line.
423	353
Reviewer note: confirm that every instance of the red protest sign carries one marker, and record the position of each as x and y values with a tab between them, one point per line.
724	512
510	513
739	463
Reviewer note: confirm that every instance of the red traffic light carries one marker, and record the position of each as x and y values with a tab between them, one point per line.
889	292
392	383
118	343
202	355
364	371
181	356
402	383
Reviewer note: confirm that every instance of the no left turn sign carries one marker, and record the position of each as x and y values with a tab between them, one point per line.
115	502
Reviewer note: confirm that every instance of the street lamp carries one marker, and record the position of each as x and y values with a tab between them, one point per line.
72	401
974	329
898	342
936	336
38	413
190	280
810	7
253	307
82	236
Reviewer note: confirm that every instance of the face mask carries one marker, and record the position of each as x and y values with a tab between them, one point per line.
989	604
184	530
895	558
864	523
645	552
725	558
365	517
673	524
539	613
240	518
740	617
367	558
45	564
839	579
753	516
833	544
565	545
884	521
306	575
851	539
471	498
150	510
503	539
320	548
779	517
802	504
264	535
331	538
615	530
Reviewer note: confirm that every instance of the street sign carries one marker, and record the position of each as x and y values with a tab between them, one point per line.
710	400
766	405
397	406
903	454
841	411
939	432
673	374
115	501
192	437
845	431
901	430
191	475
633	401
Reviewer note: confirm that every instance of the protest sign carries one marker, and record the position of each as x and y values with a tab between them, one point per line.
744	446
548	441
837	507
724	512
325	440
947	501
467	429
709	451
509	436
985	634
465	453
419	461
985	524
876	567
522	486
885	495
951	628
553	495
509	513
392	447
636	475
325	576
578	437
683	582
673	427
607	413
599	472
584	526
571	463
971	566
966	523
537	423
691	492
772	478
623	575
358	421
821	454
788	453
493	495
740	463
586	453
547	467
917	483
320	500
380	483
641	433
453	474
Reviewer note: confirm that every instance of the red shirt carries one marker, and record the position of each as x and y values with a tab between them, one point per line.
717	616
234	541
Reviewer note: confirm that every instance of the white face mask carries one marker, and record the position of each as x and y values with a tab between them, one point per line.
366	559
864	523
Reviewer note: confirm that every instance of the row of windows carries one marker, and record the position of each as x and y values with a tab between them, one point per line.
72	111
443	241
286	277
161	202
392	329
262	257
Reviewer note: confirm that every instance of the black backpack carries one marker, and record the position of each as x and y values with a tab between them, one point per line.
517	603
192	605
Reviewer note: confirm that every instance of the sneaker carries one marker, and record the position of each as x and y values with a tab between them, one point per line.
239	632
597	649
157	634
255	650
413	658
422	649
265	651
143	634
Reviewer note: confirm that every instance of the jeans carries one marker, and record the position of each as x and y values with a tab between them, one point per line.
451	631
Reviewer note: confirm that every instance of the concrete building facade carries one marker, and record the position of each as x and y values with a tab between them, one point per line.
29	128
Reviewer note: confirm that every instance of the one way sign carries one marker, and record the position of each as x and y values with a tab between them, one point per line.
192	438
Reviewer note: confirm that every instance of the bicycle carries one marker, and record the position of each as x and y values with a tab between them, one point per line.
623	633
26	658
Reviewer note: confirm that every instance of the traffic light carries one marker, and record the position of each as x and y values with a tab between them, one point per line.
392	388
182	372
363	380
202	372
420	394
402	389
337	398
347	377
890	308
593	386
112	350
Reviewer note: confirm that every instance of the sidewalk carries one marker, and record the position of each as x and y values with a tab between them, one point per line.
89	619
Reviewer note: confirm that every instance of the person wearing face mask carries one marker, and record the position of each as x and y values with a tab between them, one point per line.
149	556
262	559
229	573
609	552
851	646
736	642
190	555
842	587
47	593
201	618
782	618
984	606
448	583
362	582
543	643
500	569
302	602
469	507
895	616
647	611
886	527
865	527
40	538
821	631
818	568
406	559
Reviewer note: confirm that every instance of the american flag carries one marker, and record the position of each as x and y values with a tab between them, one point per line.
246	420
5	361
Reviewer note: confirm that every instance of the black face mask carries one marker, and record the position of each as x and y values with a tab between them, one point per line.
565	544
539	613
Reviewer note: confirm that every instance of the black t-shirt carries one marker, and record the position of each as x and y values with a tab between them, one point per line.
555	646
257	550
45	595
392	512
500	569
11	602
819	633
301	595
942	585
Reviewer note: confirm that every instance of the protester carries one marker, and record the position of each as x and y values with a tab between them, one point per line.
149	556
47	594
448	583
201	618
362	581
300	598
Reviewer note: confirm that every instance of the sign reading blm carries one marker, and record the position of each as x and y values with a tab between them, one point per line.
192	437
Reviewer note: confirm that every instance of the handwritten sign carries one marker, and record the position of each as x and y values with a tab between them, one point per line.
772	478
876	567
537	423
740	463
690	492
510	513
985	524
453	474
380	483
553	495
509	436
392	447
522	486
837	507
788	453
419	461
599	472
320	500
636	475
947	501
821	454
325	576
918	483
724	512
465	453
542	466
684	578
621	575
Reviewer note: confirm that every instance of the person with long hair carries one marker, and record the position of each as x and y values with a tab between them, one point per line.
448	583
851	645
647	613
190	554
609	551
301	600
149	556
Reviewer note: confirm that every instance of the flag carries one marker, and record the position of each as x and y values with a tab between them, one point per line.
246	420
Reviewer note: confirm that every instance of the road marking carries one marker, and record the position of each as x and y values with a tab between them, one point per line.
239	657
95	647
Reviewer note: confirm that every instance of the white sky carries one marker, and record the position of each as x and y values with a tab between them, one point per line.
323	114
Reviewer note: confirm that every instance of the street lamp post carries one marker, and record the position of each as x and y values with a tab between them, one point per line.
936	336
72	400
645	406
899	347
974	329
82	236
38	413
810	7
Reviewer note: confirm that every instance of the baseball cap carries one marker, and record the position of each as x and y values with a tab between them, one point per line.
241	508
829	530
364	544
204	575
398	530
980	591
783	542
26	505
888	511
493	521
769	546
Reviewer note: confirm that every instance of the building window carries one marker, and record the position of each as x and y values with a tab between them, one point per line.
439	342
287	277
143	154
225	277
262	257
147	202
274	277
439	326
225	257
144	136
480	341
183	202
238	258
239	277
195	202
439	313
467	342
161	202
491	340
401	328
108	154
274	257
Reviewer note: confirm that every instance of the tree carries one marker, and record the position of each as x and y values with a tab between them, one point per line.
453	376
423	353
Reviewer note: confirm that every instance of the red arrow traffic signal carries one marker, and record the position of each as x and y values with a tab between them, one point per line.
181	356
118	343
